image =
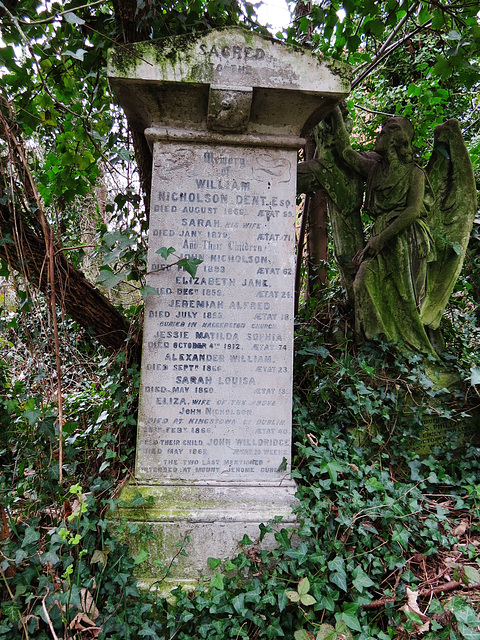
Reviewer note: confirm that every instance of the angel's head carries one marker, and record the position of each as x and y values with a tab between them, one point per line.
396	137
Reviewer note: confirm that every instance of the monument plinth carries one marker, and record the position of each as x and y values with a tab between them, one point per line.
224	113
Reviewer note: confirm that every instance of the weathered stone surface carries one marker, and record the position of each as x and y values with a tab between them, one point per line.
438	432
168	82
217	353
223	113
210	521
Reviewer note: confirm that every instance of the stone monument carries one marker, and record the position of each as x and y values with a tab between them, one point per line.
224	113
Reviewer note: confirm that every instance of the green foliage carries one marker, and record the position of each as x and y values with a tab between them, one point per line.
374	516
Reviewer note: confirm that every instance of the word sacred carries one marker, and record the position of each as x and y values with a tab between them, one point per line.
236	52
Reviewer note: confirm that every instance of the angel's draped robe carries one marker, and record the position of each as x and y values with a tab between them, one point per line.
389	288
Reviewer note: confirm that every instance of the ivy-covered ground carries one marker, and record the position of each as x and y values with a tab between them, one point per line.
387	540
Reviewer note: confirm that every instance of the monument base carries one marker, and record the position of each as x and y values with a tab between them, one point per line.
207	521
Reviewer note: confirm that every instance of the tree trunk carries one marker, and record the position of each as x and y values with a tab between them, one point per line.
76	296
317	241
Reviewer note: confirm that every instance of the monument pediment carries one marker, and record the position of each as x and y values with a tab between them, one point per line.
228	80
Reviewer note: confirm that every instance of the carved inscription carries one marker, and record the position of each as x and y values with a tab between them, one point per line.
217	353
438	432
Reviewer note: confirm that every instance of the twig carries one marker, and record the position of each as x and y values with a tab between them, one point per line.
423	593
378	113
17	23
59	13
12	596
79	246
300	247
49	621
51	264
387	48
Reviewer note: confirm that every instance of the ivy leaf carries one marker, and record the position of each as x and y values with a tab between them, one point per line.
190	265
214	562
328	603
301	634
12	612
239	604
293	596
454	245
454	35
4	270
31	536
217	582
282	600
6	239
100	555
137	501
463	612
475	376
303	586
20	556
350	619
467	632
164	252
423	15
185	616
326	632
109	279
343	631
333	468
78	55
307	600
300	553
361	580
51	557
470	575
401	535
229	566
32	416
274	630
141	557
148	291
147	631
338	575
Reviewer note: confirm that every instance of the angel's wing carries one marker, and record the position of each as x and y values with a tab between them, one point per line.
453	210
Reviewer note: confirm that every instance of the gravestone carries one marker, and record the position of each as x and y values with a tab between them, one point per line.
224	113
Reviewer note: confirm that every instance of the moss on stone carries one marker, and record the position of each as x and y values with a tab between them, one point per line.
169	502
181	50
123	59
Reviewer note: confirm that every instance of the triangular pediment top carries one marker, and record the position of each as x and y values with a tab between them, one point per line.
229	57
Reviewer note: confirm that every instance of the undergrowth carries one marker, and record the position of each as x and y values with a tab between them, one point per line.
387	539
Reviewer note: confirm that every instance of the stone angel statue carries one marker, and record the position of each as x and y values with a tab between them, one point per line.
401	278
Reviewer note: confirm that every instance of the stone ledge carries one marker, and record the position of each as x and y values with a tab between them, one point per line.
213	520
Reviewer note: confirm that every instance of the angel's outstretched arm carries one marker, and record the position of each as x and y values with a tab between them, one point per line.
360	163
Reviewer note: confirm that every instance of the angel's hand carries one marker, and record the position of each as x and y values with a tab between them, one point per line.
358	259
373	248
